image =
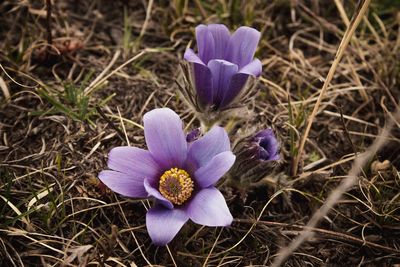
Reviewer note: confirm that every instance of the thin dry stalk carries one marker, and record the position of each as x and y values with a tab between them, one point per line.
324	232
48	22
146	21
98	82
362	8
336	194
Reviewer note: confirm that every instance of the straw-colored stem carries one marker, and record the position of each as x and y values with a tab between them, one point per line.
363	6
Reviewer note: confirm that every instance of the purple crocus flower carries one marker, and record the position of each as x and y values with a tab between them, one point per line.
180	176
267	145
223	64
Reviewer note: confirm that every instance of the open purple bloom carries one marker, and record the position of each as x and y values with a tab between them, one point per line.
178	175
223	64
267	145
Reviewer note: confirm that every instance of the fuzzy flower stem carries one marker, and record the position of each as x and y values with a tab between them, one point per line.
231	124
207	121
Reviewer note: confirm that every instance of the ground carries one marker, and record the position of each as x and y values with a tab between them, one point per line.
76	84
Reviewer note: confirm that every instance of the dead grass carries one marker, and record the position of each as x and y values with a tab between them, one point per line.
122	59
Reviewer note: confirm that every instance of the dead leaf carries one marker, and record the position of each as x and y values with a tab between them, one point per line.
77	252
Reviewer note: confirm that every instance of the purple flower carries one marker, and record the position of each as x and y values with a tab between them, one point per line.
223	64
267	145
178	175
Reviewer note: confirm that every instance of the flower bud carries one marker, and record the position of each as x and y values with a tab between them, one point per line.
266	145
256	157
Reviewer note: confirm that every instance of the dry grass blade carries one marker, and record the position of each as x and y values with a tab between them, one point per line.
146	21
335	196
4	88
13	80
98	81
337	235
359	14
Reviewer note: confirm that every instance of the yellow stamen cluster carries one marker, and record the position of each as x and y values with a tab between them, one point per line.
176	186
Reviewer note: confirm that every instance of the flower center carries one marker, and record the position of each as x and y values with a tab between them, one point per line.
176	185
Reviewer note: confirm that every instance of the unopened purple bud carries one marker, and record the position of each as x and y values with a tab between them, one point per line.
267	145
256	157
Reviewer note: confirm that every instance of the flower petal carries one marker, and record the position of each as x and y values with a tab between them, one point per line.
222	72
238	81
253	68
165	138
133	161
163	224
124	184
210	173
208	207
205	43
205	148
221	36
268	143
153	192
236	85
201	76
192	57
242	46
